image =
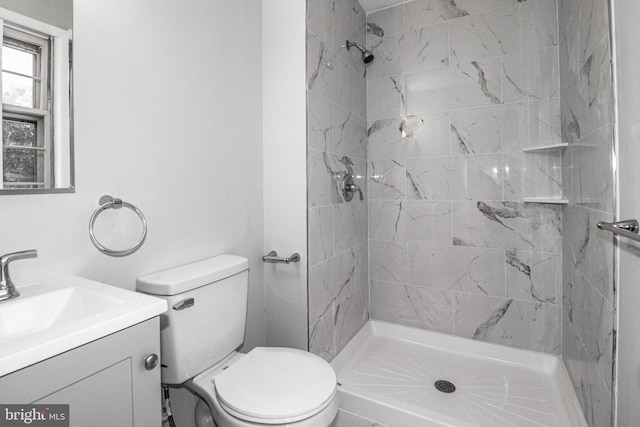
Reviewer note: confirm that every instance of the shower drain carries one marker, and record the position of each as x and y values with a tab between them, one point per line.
445	386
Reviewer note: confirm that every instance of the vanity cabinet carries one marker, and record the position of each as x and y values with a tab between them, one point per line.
105	382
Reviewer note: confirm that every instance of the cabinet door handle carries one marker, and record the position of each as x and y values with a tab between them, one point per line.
151	361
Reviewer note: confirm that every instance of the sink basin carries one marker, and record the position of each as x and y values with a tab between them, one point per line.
51	317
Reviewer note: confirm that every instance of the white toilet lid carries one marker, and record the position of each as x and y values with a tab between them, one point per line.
276	384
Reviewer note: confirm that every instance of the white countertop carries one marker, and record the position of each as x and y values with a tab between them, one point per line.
51	317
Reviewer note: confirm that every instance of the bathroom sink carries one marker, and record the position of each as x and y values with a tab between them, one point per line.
51	317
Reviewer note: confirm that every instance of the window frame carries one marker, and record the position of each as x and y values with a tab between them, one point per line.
56	97
41	114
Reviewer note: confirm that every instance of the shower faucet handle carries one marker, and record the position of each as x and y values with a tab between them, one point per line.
349	188
353	188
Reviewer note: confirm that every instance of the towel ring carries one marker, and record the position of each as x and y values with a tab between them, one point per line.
108	202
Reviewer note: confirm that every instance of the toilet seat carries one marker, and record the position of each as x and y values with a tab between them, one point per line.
276	386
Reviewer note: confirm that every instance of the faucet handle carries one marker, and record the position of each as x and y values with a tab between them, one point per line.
349	188
14	256
7	289
353	188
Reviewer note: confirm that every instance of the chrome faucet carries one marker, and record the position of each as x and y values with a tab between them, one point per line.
349	188
7	289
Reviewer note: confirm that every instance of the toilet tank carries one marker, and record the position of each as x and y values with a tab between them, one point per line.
207	313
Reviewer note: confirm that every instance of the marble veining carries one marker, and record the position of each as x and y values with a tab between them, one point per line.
525	26
583	25
421	49
588	99
591	165
389	261
588	301
319	18
522	324
412	306
484	85
348	130
531	75
421	13
320	234
385	98
337	145
412	136
532	175
464	85
492	321
589	250
506	128
428	221
350	225
593	324
463	145
386	220
321	338
386	179
318	64
455	178
328	285
507	225
434	178
470	270
533	276
350	314
338	288
448	116
425	221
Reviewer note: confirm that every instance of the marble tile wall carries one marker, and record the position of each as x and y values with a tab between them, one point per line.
456	90
337	145
588	300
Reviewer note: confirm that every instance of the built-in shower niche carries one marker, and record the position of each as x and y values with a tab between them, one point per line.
541	170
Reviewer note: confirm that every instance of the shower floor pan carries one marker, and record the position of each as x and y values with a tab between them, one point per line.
388	373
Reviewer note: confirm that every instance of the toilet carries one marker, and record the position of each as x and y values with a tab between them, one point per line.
200	333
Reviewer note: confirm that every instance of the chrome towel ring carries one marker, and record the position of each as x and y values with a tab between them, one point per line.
108	202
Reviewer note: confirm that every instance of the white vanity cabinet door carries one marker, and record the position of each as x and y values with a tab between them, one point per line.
105	382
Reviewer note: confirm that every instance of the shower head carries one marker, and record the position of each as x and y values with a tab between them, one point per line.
367	56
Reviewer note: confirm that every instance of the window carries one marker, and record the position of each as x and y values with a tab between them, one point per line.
26	116
35	105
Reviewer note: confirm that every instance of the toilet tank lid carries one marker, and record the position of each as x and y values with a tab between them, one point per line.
183	278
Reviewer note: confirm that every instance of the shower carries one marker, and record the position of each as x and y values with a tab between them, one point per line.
367	56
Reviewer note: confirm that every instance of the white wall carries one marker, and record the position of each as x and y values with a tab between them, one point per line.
628	94
167	117
54	12
285	173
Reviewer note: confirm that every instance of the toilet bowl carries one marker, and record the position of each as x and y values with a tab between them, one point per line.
200	334
269	387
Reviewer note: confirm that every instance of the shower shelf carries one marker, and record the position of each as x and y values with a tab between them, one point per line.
558	146
553	150
548	200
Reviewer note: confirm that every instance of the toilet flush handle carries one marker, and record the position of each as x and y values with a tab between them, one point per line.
185	303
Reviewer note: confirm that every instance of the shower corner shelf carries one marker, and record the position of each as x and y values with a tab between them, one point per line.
547	200
558	146
555	148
